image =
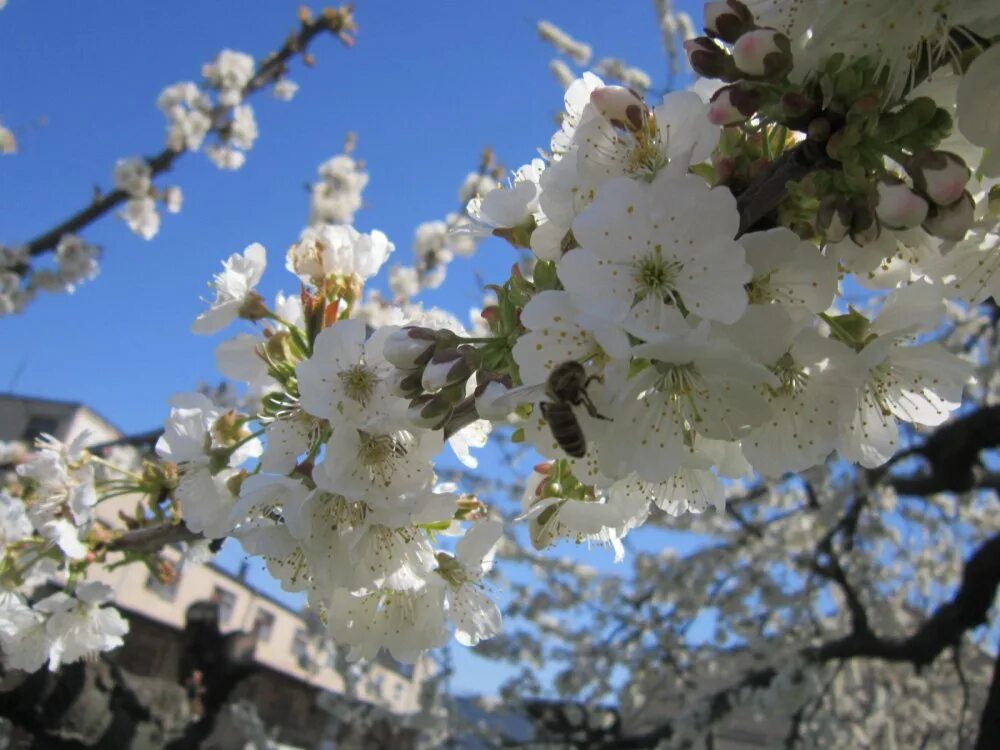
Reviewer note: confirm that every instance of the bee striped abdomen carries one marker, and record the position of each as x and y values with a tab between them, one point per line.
565	428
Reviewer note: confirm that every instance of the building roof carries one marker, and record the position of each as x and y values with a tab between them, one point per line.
68	406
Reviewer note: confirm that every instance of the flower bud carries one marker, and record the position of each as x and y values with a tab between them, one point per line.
411	347
622	107
486	397
763	52
940	175
833	218
897	206
708	59
951	222
406	383
429	411
254	307
727	20
447	367
733	104
796	107
864	224
724	167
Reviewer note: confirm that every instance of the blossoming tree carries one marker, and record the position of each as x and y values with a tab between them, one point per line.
762	310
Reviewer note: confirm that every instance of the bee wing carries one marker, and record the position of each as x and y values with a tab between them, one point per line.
525	394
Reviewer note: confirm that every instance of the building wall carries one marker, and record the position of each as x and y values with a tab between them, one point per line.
65	420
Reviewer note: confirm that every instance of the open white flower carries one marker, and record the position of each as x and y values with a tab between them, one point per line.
229	72
805	405
207	501
345	378
667	243
917	383
340	250
789	271
22	634
694	385
14	522
604	519
233	288
405	623
79	626
378	462
559	331
474	615
507	207
979	107
337	196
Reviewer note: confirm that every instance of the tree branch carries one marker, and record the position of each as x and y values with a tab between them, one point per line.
337	22
989	723
944	628
966	610
768	189
152	538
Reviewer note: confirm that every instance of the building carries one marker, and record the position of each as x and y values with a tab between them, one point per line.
293	669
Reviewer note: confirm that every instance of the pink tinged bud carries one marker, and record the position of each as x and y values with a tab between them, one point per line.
733	104
410	347
709	60
728	20
951	222
762	52
899	207
940	175
448	367
621	107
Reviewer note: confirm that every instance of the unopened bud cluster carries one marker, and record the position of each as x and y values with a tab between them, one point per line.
756	54
432	370
936	201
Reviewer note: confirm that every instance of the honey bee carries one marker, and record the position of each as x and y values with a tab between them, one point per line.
565	388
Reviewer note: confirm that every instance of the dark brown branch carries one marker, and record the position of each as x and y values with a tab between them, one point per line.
767	190
337	22
152	538
966	611
943	629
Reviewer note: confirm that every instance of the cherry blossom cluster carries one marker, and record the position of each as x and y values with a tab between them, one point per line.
713	346
192	113
341	498
336	197
711	352
47	526
135	177
75	263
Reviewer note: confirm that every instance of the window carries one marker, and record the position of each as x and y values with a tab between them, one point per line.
226	601
300	648
263	624
165	590
39	424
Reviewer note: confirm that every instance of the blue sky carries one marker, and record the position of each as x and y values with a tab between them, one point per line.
426	87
